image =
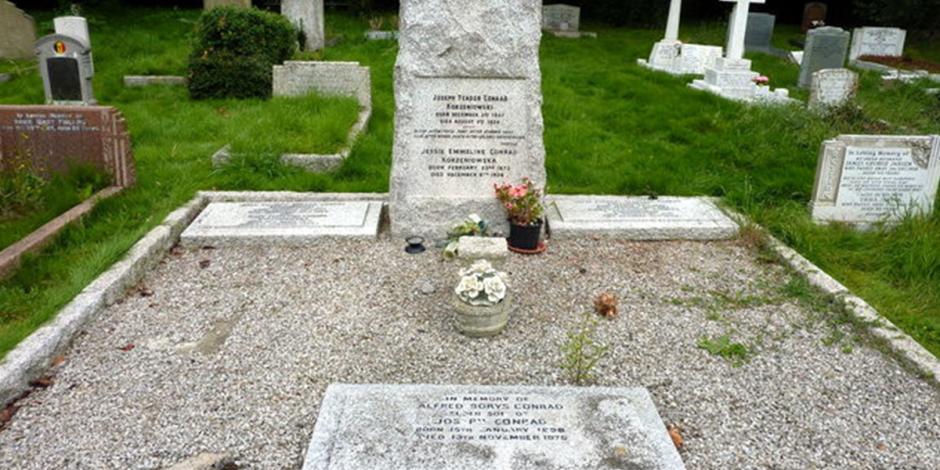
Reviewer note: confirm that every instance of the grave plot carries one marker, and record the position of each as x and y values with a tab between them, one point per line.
230	350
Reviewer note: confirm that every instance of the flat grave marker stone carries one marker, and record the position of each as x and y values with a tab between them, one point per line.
282	221
865	179
638	218
470	427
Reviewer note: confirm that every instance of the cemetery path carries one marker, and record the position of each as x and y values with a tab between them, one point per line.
231	349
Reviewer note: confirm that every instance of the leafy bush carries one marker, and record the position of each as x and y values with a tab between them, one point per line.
234	49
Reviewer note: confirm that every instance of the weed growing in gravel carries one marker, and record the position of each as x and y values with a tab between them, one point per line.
722	346
582	352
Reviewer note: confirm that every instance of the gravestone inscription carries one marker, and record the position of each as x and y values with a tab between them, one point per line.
826	48
17	32
468	111
886	42
832	87
52	138
866	179
467	427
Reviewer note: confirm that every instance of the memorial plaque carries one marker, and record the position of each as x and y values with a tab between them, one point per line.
866	179
885	42
468	111
286	221
638	218
561	17
826	48
17	32
53	138
832	87
467	427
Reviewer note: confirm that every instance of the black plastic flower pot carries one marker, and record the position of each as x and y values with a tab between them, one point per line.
525	237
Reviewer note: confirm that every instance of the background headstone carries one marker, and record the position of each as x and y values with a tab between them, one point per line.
470	427
887	42
832	88
74	26
210	4
298	78
826	48
54	137
66	68
468	111
864	179
561	17
812	13
308	16
760	32
17	32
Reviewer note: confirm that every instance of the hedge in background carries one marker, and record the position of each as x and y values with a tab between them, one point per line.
234	49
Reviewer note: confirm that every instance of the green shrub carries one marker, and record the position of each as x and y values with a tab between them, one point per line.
234	49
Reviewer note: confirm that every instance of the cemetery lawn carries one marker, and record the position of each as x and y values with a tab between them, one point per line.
611	127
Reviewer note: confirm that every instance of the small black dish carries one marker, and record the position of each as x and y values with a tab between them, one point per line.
415	245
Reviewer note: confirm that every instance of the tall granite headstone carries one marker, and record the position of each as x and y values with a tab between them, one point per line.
832	88
826	48
887	42
814	14
17	32
760	32
468	97
210	4
862	179
308	16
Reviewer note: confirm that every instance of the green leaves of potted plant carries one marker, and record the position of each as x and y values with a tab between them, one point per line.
481	300
524	209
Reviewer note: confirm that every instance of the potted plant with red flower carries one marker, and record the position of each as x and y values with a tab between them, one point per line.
524	209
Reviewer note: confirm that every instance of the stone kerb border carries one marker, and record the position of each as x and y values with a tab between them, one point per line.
908	351
297	78
146	80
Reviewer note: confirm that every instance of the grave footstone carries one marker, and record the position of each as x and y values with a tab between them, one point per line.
308	16
17	32
471	427
826	48
888	42
56	137
832	88
222	223
65	64
814	15
863	179
468	111
638	218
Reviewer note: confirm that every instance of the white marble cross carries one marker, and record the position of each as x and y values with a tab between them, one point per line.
672	27
738	27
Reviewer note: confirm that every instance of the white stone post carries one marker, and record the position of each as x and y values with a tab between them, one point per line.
672	26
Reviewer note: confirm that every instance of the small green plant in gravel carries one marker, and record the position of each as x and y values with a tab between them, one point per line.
21	188
582	352
737	353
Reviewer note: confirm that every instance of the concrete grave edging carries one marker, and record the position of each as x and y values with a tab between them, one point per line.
146	80
33	356
901	344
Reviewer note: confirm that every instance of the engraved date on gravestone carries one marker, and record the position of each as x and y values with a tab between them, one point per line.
469	128
876	180
475	418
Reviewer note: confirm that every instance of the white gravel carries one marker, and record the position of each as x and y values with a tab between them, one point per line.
232	356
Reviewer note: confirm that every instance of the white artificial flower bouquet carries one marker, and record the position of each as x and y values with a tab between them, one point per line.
481	285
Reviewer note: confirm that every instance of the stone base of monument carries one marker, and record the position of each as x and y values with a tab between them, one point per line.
638	218
734	79
475	427
676	58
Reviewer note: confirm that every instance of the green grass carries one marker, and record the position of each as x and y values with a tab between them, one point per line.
611	128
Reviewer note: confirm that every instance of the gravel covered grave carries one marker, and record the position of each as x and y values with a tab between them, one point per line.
229	350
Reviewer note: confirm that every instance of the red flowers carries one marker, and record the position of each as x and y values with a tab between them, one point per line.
523	201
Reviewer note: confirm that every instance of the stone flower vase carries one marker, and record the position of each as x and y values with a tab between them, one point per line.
480	321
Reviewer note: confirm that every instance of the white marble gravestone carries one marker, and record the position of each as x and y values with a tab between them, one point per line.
731	76
863	179
308	16
832	88
283	221
468	97
474	427
74	26
877	42
672	56
638	218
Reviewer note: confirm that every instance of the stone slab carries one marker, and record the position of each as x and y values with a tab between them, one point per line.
561	17
826	48
307	15
864	179
55	137
482	247
638	218
17	32
297	78
473	427
294	221
877	42
832	88
760	32
147	80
